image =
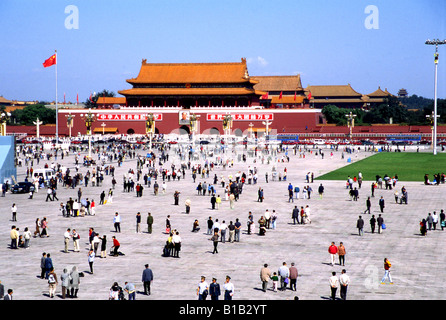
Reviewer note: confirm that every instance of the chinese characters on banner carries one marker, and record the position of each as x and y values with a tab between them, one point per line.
127	116
241	116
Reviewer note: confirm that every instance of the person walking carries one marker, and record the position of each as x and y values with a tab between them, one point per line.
214	238
48	265
380	221
284	273
360	226
147	278
295	215
138	222
76	238
334	284
52	282
149	222
387	266
332	250
117	222
65	281
202	290
187	203
130	289
42	265
228	286
265	275
381	204
214	289
341	254
368	204
344	281
67	236
14	212
103	246
372	223
75	282
91	257
293	277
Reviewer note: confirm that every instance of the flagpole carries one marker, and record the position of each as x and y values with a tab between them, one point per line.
57	111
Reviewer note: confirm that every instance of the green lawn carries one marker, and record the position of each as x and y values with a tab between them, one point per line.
408	166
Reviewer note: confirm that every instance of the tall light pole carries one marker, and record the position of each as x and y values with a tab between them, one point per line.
4	117
150	128
436	43
89	118
351	124
193	128
70	122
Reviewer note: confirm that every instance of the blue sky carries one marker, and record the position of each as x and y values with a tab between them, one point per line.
326	42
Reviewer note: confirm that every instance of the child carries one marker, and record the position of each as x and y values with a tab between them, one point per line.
275	279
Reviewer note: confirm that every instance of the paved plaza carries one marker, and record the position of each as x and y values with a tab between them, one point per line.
418	263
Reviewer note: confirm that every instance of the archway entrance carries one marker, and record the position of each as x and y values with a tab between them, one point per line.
184	130
130	131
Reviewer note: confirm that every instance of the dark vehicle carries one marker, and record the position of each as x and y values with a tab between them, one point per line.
22	187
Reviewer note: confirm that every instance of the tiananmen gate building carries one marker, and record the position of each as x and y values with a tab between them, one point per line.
171	91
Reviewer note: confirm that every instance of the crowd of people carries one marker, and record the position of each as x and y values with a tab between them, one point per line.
213	177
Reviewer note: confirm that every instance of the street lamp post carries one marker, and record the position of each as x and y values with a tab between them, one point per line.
193	128
4	117
69	122
436	43
89	118
227	127
150	128
351	124
431	120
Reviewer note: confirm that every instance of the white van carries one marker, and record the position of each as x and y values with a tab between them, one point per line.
47	174
319	141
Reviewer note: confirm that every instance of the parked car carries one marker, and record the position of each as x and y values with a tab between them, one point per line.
22	187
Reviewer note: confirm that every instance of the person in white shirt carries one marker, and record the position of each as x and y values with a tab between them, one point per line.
344	280
202	290
67	236
117	222
229	288
216	226
334	284
284	273
267	216
176	240
14	212
223	228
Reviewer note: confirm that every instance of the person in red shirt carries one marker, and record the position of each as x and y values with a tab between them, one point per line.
116	246
332	250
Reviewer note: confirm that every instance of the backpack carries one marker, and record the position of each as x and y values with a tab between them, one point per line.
51	279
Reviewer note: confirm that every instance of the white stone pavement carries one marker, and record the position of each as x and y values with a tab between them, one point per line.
418	263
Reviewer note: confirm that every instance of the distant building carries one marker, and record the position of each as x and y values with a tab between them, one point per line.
402	93
342	96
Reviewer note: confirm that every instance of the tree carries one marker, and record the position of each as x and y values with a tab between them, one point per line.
91	102
29	114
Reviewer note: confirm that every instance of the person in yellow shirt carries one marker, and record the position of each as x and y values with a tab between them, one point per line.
14	237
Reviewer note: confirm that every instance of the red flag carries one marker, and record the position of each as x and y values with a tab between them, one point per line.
295	95
50	61
77	98
309	96
265	96
280	96
90	98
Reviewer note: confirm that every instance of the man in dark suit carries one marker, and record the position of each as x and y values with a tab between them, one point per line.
214	289
9	295
381	204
